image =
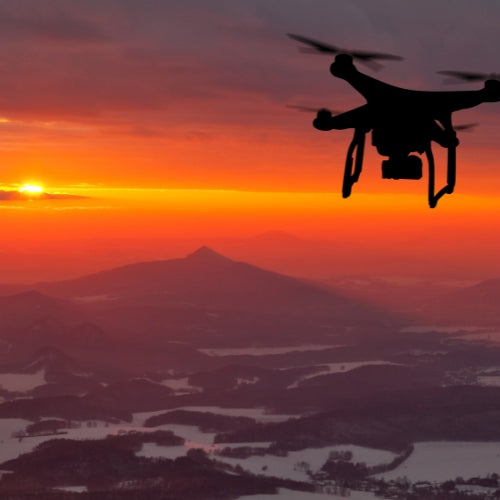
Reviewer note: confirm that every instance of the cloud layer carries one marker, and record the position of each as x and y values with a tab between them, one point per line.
12	195
195	92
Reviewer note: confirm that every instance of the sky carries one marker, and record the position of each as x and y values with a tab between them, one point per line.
148	120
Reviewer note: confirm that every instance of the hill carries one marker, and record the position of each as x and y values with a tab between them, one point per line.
472	305
208	280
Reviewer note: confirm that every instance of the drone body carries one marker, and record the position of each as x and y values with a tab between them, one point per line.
402	121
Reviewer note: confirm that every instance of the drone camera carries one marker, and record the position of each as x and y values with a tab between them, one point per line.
409	167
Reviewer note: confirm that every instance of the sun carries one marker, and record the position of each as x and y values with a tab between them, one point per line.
31	189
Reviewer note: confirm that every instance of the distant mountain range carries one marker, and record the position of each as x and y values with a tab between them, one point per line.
202	299
207	294
471	305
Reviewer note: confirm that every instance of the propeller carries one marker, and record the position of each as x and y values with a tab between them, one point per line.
367	58
468	76
465	126
310	109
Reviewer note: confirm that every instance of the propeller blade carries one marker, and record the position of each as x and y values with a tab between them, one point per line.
468	76
310	109
317	47
465	126
463	75
367	58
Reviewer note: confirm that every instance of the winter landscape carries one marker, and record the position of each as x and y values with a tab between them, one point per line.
272	384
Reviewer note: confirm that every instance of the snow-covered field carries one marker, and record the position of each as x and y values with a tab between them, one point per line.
285	494
71	489
181	385
491	380
441	329
442	460
262	351
294	466
484	336
431	461
22	382
11	447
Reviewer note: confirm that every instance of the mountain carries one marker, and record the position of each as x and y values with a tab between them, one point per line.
28	307
29	320
472	305
143	311
53	362
131	396
207	279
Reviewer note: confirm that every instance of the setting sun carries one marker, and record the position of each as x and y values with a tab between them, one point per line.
31	189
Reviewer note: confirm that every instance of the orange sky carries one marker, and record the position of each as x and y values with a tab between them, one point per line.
153	121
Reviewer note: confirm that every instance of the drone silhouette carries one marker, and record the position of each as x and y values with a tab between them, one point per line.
402	121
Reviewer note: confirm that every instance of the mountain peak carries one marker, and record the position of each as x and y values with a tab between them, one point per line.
205	253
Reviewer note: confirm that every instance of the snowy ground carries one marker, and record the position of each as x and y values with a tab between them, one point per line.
491	380
11	447
285	494
441	329
181	385
431	461
22	382
262	351
72	489
294	466
441	460
486	335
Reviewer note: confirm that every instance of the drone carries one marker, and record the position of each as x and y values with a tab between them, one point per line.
402	121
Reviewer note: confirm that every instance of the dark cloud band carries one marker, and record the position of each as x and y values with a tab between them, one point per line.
18	196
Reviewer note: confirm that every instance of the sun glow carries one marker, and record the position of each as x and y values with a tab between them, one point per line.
31	189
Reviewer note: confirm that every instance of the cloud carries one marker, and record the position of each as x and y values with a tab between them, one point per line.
32	21
11	195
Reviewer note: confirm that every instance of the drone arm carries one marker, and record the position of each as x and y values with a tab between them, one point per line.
449	102
370	88
355	118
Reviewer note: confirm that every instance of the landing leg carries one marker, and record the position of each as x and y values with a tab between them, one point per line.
452	168
350	176
450	175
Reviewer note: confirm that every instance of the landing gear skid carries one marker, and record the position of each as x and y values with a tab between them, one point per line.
350	176
434	197
355	156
